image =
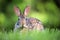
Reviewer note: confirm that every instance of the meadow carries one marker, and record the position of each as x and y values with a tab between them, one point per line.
31	35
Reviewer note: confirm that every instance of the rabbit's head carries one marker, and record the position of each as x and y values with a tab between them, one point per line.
21	16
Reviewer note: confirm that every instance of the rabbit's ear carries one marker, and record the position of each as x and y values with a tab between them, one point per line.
27	9
17	11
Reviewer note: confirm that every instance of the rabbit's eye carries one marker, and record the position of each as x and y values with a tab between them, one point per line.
18	22
26	18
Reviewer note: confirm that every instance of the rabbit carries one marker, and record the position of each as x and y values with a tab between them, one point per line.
25	22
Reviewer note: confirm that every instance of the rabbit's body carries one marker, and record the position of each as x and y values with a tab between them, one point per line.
30	24
27	23
33	23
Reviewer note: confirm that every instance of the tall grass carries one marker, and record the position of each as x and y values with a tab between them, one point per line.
32	35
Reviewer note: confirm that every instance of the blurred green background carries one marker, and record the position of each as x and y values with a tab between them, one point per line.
48	11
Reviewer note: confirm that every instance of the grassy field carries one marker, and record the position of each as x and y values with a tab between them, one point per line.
32	35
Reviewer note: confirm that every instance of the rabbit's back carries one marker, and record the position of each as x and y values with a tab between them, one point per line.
33	23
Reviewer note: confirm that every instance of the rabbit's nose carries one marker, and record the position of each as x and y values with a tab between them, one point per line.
23	22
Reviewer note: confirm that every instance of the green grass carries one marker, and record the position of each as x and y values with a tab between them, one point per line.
32	35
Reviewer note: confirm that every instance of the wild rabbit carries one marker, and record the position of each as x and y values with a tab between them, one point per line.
26	22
